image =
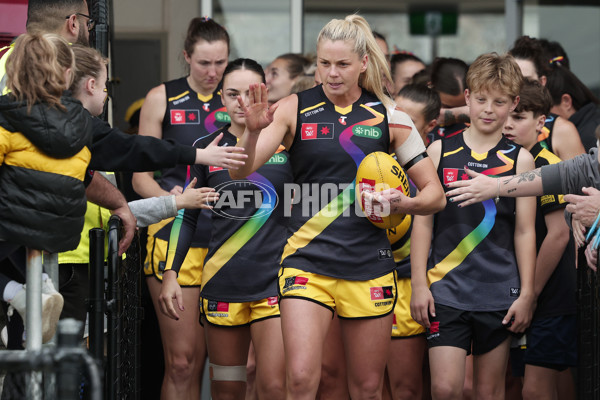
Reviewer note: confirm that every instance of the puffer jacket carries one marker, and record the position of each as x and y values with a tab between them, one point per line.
43	158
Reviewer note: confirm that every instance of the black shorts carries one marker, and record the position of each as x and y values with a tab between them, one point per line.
476	331
552	343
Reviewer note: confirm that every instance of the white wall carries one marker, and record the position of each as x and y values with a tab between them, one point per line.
164	16
262	35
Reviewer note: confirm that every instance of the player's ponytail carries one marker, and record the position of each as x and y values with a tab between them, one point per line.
356	29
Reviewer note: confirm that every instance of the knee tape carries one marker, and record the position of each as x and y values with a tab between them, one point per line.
227	373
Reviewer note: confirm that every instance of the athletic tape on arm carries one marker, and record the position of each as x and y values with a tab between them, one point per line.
413	145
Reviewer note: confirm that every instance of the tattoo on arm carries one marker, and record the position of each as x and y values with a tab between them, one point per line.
527	176
449	118
463	118
395	203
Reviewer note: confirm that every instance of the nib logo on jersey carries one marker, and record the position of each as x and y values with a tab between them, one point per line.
381	294
317	131
294	283
185	117
218	308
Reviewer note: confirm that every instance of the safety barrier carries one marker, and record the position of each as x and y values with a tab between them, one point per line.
588	323
122	306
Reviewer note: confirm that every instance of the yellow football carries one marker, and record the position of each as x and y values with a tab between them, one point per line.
379	171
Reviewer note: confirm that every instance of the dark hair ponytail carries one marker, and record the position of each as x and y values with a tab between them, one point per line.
204	28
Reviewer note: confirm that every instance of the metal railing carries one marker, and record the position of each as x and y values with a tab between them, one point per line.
588	324
121	302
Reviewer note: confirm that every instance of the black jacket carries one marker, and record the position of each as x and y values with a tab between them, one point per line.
113	150
43	157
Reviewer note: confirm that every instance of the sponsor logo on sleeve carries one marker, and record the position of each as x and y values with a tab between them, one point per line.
185	117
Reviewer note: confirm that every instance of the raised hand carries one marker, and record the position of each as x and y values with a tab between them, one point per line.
257	114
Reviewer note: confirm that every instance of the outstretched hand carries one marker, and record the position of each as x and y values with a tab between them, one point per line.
196	198
470	191
257	114
221	156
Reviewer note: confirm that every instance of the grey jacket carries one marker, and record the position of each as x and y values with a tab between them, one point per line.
570	176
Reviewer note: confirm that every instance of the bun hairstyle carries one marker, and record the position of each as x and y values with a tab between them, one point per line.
527	48
356	30
204	28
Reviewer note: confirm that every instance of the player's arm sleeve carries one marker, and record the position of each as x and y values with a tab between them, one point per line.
152	210
184	226
114	150
412	149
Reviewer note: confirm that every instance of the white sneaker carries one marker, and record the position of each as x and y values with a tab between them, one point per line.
48	288
52	305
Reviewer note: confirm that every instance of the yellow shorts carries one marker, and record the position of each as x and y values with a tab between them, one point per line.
404	326
221	313
190	273
350	299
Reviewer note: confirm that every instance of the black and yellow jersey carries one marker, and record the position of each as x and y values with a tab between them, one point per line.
472	265
329	235
558	296
189	116
248	228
